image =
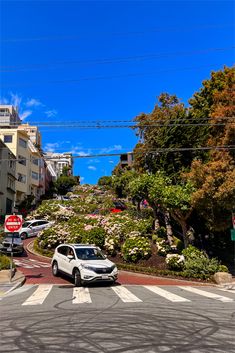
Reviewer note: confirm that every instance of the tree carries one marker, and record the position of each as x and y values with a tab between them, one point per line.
169	126
105	181
64	183
120	182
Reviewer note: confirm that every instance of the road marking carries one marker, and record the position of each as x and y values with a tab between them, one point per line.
81	295
30	263
206	294
167	295
125	295
227	290
39	295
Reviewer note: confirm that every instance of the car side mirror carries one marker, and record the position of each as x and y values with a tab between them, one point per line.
70	257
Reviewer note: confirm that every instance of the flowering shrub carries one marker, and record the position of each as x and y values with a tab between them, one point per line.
175	262
162	247
112	245
135	249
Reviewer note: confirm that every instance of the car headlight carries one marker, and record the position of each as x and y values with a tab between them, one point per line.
87	267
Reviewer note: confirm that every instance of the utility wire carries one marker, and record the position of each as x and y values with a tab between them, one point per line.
92	34
127	59
96	78
155	151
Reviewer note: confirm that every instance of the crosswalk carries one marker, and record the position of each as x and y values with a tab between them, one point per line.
31	263
39	294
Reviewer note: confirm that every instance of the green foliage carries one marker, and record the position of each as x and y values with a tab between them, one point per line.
120	182
5	262
94	236
64	183
198	264
105	181
47	209
135	249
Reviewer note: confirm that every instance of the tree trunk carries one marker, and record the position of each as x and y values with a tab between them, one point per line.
184	232
156	219
169	232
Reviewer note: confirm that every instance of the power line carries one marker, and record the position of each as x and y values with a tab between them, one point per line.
92	34
110	60
98	78
152	151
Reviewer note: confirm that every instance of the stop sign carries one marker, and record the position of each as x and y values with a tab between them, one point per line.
13	223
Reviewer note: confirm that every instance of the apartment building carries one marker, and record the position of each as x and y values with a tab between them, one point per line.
9	116
57	161
7	180
33	133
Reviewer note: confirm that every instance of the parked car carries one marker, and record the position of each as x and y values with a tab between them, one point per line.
33	227
84	263
12	242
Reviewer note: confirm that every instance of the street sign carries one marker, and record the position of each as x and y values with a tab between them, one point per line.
13	223
232	234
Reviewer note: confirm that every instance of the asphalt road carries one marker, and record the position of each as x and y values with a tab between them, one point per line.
118	319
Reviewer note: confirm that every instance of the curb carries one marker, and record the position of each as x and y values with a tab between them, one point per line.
30	249
19	283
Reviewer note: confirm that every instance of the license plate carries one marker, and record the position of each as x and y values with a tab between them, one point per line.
105	277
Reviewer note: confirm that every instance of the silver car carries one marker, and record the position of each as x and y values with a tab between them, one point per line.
12	242
33	227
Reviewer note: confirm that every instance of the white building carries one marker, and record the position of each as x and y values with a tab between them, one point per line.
57	161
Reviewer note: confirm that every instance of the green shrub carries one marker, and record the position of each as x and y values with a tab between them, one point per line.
95	236
198	264
135	249
5	262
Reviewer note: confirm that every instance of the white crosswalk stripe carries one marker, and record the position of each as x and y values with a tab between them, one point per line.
81	295
125	295
31	263
39	295
206	294
166	294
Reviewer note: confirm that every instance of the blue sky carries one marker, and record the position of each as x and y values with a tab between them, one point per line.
106	60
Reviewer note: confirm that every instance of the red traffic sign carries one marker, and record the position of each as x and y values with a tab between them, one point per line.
13	223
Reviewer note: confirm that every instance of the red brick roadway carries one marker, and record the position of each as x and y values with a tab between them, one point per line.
37	270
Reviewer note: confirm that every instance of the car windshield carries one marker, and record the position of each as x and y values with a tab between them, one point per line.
26	224
89	254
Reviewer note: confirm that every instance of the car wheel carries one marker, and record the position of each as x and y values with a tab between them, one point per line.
55	269
24	235
77	278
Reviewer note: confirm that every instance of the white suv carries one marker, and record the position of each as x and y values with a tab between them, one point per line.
84	263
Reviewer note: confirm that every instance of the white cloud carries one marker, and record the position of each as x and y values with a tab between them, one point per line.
91	167
111	149
50	147
82	154
15	99
25	114
33	103
111	162
51	113
82	179
91	161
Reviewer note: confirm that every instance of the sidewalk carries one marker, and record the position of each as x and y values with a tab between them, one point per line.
7	285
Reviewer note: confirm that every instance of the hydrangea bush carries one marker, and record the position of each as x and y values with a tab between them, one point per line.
135	249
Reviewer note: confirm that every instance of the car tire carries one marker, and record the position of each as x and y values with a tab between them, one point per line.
24	235
55	269
77	278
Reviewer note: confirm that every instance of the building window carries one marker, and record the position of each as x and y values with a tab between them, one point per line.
35	175
21	178
7	138
35	161
11	163
10	183
22	160
22	143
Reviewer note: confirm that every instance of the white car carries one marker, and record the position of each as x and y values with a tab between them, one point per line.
33	227
84	263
